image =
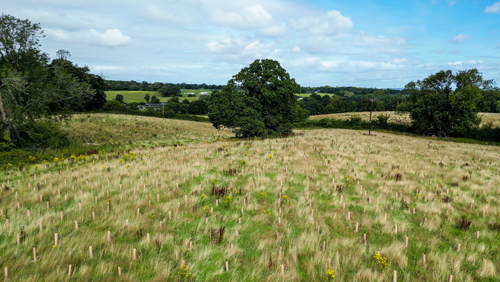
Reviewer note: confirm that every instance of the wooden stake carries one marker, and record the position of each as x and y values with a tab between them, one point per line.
134	254
6	273
147	238
18	241
90	251
356	230
34	254
119	271
395	229
227	266
395	276
55	239
76	225
406	241
450	278
69	270
477	235
458	247
423	259
109	236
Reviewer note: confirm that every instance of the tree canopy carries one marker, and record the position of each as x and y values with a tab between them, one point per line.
31	89
445	103
257	101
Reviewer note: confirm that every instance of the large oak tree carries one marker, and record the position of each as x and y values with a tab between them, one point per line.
259	100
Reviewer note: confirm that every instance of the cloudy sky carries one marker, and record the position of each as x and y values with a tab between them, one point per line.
323	42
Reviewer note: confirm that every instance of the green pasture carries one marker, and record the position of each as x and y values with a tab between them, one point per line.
138	96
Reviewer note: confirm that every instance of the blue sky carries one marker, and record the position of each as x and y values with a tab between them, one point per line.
336	43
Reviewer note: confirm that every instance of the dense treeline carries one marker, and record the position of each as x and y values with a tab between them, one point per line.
156	86
332	104
349	91
172	108
327	104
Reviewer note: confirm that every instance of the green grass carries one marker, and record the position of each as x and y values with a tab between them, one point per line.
309	168
320	94
138	96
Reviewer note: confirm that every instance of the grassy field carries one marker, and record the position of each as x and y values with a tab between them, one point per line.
309	94
494	118
288	209
129	131
138	96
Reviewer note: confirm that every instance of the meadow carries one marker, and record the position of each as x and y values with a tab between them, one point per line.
493	118
138	96
198	205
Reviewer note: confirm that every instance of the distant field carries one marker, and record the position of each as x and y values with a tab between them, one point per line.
138	96
309	94
494	118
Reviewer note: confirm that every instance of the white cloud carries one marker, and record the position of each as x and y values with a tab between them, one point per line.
297	49
273	31
494	9
251	17
239	50
473	62
382	43
498	45
400	61
109	38
455	64
460	38
327	24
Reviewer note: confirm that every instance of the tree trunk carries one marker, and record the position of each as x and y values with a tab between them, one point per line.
5	123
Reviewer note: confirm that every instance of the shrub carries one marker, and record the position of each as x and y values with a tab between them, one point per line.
39	135
383	120
114	106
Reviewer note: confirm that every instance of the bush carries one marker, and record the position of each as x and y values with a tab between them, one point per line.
39	135
114	106
13	157
383	120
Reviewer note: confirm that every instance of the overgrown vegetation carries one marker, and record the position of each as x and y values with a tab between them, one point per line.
299	205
